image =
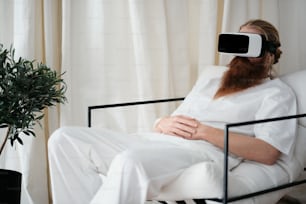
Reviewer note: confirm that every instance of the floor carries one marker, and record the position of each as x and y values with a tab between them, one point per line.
296	196
290	200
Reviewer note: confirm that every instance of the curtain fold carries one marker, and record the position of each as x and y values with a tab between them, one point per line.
132	50
21	27
116	51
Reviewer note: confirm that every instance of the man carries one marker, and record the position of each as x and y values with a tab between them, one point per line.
136	167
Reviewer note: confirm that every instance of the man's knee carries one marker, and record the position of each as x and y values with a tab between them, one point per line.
58	137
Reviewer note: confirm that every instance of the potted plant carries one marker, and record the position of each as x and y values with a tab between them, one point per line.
26	89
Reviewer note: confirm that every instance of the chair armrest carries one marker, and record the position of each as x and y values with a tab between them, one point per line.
114	105
226	142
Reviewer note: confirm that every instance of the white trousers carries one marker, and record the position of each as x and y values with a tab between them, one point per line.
135	167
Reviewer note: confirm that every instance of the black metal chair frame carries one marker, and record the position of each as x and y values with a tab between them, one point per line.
226	199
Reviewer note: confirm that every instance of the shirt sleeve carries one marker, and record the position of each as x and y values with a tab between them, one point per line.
279	102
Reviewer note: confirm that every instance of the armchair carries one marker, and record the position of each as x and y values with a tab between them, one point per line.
235	185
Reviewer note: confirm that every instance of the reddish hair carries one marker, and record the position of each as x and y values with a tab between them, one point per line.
242	74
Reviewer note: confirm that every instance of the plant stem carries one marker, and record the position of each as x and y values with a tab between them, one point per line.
5	140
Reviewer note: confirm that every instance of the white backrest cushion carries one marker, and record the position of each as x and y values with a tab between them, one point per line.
297	81
300	144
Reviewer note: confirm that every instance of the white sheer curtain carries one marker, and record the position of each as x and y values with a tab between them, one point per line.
125	50
30	26
119	51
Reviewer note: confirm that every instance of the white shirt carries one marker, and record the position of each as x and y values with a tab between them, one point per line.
273	98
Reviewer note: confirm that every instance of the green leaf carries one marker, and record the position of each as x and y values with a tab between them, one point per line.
26	89
19	140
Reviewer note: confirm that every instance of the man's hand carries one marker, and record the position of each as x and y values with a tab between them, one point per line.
179	125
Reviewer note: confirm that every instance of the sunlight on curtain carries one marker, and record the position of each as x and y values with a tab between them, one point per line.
119	51
21	23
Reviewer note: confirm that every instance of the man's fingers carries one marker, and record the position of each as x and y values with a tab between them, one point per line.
187	121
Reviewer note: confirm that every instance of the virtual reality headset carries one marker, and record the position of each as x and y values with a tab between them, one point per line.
244	44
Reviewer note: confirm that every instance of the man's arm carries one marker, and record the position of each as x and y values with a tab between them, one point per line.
247	147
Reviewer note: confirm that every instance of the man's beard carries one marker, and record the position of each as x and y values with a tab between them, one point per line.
242	74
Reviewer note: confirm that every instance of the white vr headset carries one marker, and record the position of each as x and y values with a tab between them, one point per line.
245	44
